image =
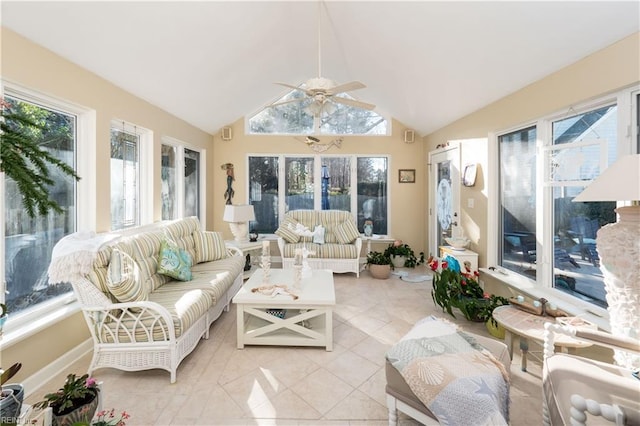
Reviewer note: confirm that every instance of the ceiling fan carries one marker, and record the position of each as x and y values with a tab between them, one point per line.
322	90
315	144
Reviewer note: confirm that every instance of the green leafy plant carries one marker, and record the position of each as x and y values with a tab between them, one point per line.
378	258
24	160
397	248
453	288
9	373
77	391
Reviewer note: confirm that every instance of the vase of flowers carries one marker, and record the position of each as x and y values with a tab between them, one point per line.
74	402
402	255
456	288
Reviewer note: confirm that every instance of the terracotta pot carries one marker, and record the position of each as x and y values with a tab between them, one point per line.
380	272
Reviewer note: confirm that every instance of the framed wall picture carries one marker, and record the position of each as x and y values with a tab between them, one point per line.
407	175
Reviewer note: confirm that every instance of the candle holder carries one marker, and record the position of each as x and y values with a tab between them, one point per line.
266	269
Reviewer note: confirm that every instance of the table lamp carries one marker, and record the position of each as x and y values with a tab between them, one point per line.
238	217
618	246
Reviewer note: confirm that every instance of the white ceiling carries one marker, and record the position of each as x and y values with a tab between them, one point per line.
425	63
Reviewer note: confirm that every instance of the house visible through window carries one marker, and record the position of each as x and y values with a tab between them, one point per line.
278	184
29	242
538	179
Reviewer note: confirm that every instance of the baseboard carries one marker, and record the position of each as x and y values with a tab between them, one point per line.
33	383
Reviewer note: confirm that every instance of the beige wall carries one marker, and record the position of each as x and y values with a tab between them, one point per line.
611	69
407	200
38	69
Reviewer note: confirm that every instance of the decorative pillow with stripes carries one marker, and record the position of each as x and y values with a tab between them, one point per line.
286	230
174	262
123	278
209	246
346	232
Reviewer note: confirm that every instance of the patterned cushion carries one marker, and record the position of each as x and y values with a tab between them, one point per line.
123	278
174	262
285	230
346	232
318	234
144	248
209	246
182	231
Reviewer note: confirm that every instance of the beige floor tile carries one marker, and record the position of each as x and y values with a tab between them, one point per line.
322	390
352	368
286	405
347	335
358	406
374	387
253	389
372	349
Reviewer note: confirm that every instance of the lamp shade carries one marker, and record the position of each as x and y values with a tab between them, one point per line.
619	182
238	213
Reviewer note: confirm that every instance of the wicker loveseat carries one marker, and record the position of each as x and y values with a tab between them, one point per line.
155	322
338	249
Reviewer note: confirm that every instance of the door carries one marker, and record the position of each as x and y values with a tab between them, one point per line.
444	197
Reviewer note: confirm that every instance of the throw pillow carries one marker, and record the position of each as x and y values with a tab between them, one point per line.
209	246
346	232
123	278
286	230
174	262
318	234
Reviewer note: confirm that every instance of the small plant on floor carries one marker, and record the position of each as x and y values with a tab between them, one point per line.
378	258
76	392
397	248
106	418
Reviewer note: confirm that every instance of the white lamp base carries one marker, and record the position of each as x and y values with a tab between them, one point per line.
240	231
618	246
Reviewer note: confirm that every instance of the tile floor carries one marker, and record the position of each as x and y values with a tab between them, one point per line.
218	384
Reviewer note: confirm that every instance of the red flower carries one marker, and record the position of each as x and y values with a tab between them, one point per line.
445	264
433	265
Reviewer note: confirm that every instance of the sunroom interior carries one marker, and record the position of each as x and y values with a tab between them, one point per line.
176	82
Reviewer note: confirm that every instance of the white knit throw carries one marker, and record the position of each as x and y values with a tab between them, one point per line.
73	255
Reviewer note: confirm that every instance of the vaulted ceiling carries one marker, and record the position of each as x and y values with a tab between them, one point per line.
425	63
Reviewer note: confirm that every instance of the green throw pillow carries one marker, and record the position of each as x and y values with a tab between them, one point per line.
174	262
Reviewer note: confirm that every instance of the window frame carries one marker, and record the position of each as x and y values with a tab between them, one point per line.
145	173
180	162
627	143
34	319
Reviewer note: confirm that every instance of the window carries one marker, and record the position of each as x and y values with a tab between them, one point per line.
278	184
125	178
543	234
29	242
180	193
295	117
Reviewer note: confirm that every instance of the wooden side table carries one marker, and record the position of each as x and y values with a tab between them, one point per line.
529	326
461	256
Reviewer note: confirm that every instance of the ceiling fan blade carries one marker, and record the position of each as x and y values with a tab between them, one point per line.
275	104
291	86
352	102
346	87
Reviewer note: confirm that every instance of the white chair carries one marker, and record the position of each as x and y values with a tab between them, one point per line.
574	388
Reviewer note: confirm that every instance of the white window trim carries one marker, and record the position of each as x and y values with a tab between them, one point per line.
145	185
180	147
31	321
627	135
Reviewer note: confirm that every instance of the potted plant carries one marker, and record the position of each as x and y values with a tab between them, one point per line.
11	396
403	255
379	265
76	401
453	288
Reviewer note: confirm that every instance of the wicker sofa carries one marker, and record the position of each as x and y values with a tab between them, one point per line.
338	249
158	326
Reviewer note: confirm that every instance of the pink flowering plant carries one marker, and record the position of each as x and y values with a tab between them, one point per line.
77	391
454	287
108	418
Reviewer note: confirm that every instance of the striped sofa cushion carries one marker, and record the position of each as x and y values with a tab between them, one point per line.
337	251
182	232
216	277
285	230
209	246
145	249
346	232
123	278
339	225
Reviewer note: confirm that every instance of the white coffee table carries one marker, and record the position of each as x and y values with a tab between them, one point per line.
308	320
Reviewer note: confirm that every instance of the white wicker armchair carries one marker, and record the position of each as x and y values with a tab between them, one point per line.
576	388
